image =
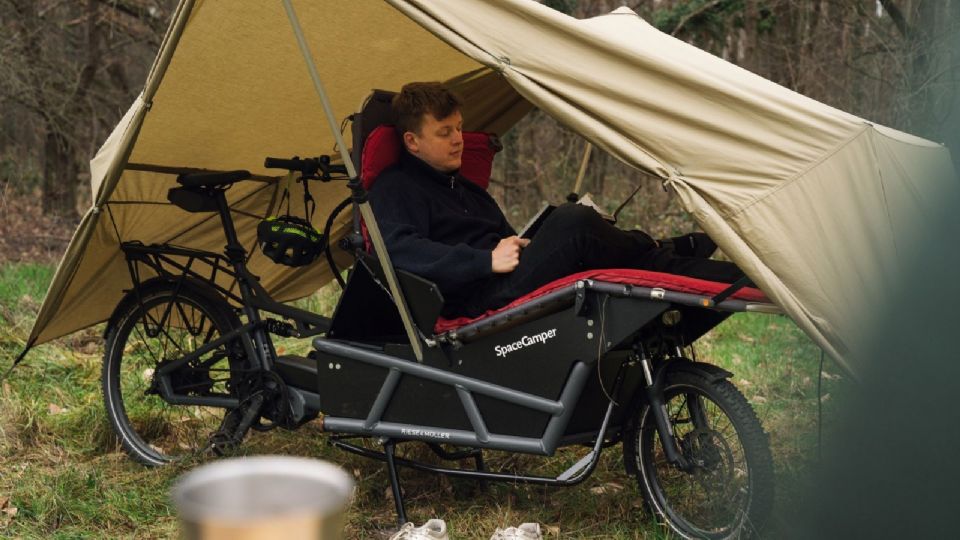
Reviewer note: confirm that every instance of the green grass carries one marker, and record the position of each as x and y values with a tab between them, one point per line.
61	467
20	280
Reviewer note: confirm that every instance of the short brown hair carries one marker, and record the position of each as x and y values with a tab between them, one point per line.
418	98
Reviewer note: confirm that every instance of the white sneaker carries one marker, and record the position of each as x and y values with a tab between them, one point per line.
526	531
435	529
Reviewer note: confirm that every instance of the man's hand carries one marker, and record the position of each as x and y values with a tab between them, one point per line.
506	256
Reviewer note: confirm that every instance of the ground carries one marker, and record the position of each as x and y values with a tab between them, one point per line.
26	235
63	475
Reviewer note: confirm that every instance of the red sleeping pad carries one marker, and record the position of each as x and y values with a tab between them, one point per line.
640	278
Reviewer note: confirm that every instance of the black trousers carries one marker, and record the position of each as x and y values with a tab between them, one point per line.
574	238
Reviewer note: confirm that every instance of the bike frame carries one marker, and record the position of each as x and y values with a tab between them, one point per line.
180	265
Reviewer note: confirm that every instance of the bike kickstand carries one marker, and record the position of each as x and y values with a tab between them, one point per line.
389	446
481	467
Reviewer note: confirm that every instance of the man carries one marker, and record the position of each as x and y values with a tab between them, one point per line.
445	228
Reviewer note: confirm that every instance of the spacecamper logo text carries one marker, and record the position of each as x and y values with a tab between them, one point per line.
525	341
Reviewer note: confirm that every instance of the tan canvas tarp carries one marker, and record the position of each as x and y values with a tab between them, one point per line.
229	91
812	202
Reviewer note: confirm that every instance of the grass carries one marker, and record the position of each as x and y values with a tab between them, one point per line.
62	470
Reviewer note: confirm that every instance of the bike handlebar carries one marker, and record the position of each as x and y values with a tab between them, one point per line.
309	167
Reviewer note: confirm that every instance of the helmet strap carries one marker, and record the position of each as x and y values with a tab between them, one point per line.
286	193
309	205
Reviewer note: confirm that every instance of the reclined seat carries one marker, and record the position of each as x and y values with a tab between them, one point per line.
377	146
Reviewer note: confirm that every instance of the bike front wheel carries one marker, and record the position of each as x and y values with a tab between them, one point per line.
161	322
726	490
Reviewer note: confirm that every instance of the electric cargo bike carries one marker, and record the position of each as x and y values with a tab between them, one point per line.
600	358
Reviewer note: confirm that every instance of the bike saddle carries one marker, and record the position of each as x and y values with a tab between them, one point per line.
211	179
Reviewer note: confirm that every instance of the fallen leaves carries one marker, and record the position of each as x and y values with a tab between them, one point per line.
7	511
55	409
609	487
28	234
831	377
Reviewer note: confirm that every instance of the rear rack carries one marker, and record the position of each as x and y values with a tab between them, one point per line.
179	263
171	261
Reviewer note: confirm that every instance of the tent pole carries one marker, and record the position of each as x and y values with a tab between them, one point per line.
578	185
372	228
19	359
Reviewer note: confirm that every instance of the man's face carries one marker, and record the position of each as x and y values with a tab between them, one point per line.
439	143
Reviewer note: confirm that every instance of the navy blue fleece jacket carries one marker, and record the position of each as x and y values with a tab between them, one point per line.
440	226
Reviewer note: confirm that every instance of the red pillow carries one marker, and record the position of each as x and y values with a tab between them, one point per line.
382	150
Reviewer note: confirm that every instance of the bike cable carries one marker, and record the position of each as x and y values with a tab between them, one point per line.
603	337
327	228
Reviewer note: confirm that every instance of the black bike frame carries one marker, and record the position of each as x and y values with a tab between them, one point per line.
167	261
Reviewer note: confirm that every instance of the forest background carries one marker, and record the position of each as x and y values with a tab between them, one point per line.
70	68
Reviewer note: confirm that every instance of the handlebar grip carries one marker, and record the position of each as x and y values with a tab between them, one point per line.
279	163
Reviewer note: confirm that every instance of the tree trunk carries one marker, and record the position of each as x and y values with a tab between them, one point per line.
923	81
751	26
59	176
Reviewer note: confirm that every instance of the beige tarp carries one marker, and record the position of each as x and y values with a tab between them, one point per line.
812	202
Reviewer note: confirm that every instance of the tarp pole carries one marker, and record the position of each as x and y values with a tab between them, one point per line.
19	359
372	228
578	185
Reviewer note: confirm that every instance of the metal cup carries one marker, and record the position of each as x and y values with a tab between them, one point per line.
260	498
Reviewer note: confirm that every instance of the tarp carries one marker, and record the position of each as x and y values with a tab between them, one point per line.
810	201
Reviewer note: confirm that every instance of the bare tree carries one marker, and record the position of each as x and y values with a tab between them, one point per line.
65	64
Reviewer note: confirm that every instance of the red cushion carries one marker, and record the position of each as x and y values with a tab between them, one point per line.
476	163
382	150
640	278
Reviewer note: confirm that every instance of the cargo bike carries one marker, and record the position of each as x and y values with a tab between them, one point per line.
600	358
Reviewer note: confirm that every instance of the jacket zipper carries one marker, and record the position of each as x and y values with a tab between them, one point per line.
459	194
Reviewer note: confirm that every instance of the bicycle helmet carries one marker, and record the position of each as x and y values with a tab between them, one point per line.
290	240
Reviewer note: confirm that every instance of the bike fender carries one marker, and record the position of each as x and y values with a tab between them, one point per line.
130	296
712	372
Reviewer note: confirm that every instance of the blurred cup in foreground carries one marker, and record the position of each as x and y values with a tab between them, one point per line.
262	498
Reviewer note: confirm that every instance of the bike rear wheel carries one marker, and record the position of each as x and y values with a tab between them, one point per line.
727	492
163	322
